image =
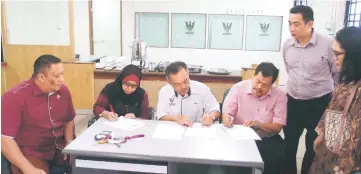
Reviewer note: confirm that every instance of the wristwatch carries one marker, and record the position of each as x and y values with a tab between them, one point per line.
257	126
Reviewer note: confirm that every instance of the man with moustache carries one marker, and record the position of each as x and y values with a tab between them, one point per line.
259	104
37	119
312	74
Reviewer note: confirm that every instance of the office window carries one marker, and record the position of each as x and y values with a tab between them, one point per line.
353	13
299	2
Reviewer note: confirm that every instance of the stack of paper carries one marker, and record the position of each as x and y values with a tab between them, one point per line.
125	124
240	132
168	131
198	130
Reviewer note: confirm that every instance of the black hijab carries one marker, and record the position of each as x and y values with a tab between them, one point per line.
116	93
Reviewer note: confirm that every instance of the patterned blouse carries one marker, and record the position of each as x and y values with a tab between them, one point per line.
349	158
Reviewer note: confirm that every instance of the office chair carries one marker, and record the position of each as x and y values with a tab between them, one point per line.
6	167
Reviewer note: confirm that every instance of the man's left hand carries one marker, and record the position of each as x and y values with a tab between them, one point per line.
207	120
253	124
130	115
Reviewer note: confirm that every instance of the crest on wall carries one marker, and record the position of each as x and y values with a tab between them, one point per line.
190	26
264	28
227	26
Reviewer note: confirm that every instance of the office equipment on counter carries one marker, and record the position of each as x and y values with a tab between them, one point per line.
218	71
194	68
89	58
99	65
151	66
162	66
139	52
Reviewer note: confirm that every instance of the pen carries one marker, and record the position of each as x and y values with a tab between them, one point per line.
229	118
112	110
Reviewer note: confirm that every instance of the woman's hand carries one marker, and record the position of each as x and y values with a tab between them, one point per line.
317	142
130	115
111	116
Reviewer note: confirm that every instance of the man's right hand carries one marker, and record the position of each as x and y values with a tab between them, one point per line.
34	170
111	116
184	120
227	120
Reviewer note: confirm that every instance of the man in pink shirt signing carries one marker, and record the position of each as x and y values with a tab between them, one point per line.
259	104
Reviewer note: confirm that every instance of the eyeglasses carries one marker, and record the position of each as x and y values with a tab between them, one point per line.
129	85
337	54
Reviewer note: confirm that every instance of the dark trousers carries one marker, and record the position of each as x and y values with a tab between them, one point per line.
272	153
302	114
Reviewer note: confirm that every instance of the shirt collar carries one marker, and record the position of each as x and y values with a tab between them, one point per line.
311	41
188	93
37	91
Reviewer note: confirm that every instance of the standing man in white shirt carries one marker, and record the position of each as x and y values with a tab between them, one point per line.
312	73
186	101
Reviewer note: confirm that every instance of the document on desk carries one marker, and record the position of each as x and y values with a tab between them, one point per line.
168	131
240	132
198	130
125	124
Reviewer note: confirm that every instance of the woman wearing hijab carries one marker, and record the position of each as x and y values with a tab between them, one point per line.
123	97
338	145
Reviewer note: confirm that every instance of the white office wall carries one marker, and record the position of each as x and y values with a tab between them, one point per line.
327	13
37	22
81	27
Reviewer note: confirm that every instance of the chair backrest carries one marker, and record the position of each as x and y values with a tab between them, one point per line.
221	104
5	165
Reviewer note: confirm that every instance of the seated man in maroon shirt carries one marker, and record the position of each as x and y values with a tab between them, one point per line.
37	119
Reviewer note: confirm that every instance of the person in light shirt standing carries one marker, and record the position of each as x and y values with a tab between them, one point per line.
312	74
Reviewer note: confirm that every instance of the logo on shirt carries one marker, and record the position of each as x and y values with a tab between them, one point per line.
171	102
264	28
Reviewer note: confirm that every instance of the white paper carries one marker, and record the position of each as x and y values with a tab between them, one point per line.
198	130
168	131
240	132
125	124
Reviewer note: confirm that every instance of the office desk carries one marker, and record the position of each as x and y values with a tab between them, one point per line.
157	155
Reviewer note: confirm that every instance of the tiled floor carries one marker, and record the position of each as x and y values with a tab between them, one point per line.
81	123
